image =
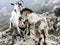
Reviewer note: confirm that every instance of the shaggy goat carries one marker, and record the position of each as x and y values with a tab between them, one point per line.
15	15
37	22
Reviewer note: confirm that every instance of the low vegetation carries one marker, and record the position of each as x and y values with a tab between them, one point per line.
5	28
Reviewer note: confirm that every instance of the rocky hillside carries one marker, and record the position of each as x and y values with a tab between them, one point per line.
4	17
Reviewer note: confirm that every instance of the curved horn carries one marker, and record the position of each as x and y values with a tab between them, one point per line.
19	1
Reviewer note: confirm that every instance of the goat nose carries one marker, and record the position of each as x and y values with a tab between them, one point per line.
22	25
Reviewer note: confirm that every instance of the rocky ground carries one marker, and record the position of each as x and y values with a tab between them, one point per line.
51	40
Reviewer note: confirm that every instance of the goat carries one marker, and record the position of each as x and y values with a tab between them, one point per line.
15	15
38	22
24	26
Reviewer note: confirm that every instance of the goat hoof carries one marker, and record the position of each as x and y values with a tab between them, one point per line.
38	43
24	40
44	43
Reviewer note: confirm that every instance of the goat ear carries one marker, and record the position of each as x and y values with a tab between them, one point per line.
12	3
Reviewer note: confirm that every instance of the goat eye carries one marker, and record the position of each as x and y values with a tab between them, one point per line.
20	18
20	4
24	22
26	19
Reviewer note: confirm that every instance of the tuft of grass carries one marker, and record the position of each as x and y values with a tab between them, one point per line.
56	34
5	28
53	33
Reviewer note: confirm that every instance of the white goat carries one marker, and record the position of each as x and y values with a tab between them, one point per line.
15	15
40	23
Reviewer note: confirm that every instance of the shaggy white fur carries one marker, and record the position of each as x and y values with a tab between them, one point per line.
15	15
33	18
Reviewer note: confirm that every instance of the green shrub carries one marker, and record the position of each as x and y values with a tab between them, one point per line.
56	34
5	28
51	31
